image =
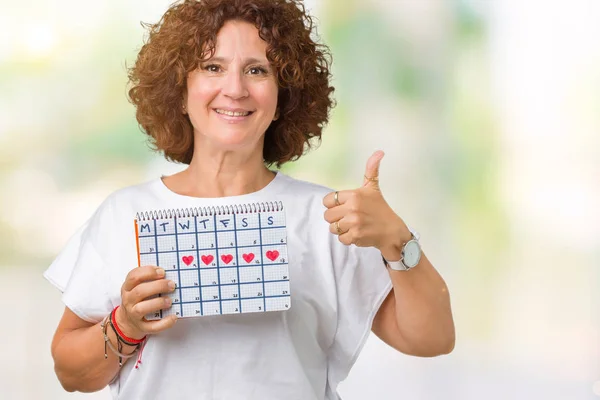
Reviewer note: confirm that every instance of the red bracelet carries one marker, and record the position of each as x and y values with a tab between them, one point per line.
127	339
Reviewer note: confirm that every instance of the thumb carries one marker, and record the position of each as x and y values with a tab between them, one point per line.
371	178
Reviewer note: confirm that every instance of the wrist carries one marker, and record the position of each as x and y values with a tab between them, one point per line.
126	327
397	236
120	339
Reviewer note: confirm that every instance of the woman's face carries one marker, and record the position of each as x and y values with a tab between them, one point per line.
232	98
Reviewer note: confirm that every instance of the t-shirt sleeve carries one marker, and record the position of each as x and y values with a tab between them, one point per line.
80	271
363	283
59	272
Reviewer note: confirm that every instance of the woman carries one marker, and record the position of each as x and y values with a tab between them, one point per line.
231	87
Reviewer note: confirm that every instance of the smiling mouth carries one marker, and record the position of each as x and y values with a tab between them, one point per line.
233	113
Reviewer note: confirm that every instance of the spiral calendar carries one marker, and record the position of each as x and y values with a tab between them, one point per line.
223	260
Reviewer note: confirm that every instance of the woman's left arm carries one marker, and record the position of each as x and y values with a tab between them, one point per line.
416	317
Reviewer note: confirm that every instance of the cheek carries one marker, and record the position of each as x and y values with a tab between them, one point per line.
199	91
268	97
201	94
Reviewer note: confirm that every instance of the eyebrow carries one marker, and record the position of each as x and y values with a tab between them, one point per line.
247	61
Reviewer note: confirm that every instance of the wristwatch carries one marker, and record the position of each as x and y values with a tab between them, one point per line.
411	255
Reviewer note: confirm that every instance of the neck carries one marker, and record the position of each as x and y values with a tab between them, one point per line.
214	173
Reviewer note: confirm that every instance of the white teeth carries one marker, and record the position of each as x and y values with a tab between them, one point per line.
232	113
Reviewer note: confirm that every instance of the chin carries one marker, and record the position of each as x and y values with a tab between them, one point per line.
235	141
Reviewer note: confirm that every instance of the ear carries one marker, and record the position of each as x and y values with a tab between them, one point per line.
184	110
276	117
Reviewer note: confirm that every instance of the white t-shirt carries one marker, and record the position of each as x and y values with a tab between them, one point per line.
302	353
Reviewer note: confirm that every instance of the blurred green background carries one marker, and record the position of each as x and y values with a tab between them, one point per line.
489	115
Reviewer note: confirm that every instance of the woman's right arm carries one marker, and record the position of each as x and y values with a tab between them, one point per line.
78	345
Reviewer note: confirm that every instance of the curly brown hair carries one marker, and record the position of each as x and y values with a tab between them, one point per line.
186	35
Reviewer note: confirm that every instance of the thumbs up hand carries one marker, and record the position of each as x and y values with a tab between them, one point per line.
362	216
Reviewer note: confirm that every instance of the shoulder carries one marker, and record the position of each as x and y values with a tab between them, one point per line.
132	194
299	187
121	204
150	187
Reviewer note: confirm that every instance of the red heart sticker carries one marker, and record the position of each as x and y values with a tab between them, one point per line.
226	258
272	255
248	257
207	259
187	259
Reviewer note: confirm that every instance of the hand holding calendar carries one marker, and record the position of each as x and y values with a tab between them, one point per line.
139	297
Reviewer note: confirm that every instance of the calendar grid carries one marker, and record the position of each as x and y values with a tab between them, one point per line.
206	249
218	270
233	284
245	298
209	268
237	262
262	261
224	230
178	268
198	258
156	244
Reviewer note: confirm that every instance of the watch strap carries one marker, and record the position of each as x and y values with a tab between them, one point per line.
395	265
399	265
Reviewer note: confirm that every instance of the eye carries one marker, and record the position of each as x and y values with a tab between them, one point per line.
257	70
212	68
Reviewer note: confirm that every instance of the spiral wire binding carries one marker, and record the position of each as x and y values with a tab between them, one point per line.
268	206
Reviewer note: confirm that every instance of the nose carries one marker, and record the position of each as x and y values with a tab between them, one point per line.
234	85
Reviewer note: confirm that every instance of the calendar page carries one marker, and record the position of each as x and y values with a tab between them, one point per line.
223	260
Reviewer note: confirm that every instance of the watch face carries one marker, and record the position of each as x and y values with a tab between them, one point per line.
412	253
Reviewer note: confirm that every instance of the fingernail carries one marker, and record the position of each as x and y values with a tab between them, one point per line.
171	285
160	272
168	301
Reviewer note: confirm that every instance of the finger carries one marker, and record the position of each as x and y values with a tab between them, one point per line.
146	307
346	238
142	274
372	170
159	325
329	200
343	227
148	289
335	214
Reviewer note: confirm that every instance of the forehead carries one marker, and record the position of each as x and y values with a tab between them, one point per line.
240	38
